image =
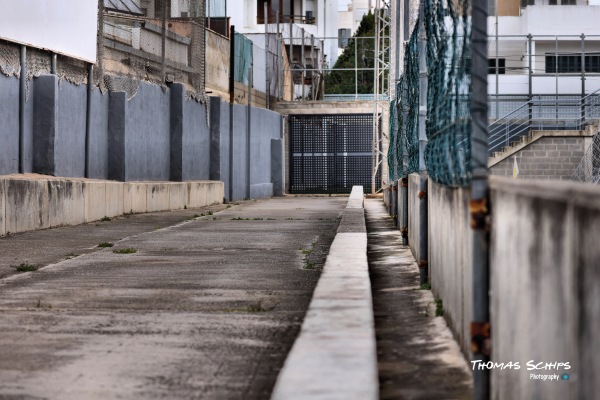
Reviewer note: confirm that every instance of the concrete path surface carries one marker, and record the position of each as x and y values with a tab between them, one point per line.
417	355
205	309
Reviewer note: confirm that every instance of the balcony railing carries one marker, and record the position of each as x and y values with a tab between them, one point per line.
295	19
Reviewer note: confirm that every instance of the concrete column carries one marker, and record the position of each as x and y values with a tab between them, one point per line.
176	125
117	107
277	167
44	124
215	139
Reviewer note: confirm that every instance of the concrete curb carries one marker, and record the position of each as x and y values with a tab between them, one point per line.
30	202
335	354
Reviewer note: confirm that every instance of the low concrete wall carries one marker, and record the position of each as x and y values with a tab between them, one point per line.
450	252
335	354
38	202
545	282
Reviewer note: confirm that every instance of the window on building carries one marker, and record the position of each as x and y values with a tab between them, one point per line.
501	66
343	36
525	3
571	63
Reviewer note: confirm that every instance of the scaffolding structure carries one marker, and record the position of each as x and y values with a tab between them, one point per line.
381	106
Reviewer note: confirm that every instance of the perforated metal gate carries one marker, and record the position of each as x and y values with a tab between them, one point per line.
330	153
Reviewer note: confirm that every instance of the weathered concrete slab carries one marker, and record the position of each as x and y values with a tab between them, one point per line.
2	207
157	197
66	202
26	205
114	196
95	200
36	201
177	196
135	195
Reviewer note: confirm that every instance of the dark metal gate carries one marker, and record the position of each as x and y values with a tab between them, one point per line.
330	153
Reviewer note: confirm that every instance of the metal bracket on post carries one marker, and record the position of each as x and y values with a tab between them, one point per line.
481	338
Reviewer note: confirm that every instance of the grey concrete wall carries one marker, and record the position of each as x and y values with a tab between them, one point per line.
546	158
147	135
9	125
450	252
413	214
545	282
98	156
239	152
196	142
69	140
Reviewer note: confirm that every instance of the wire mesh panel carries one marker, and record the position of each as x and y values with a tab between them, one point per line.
330	153
589	167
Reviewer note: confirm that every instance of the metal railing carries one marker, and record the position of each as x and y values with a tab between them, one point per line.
541	115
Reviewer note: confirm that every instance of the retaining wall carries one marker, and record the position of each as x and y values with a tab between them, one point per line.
545	281
39	202
156	135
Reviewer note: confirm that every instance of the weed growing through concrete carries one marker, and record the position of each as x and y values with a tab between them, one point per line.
25	267
271	219
257	219
307	252
439	308
127	250
228	206
39	304
256	308
71	255
105	244
293	219
209	213
425	286
105	219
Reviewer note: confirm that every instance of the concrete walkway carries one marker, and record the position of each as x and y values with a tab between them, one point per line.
417	356
205	309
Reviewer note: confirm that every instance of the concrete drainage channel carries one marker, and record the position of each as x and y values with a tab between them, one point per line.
335	354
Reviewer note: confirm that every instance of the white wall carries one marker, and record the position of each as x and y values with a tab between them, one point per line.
66	27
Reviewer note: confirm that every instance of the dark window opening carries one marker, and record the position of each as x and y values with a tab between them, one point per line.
571	63
501	66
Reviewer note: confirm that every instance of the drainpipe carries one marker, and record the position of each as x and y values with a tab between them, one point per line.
22	101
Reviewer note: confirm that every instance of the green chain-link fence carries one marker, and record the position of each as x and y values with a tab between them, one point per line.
448	123
404	113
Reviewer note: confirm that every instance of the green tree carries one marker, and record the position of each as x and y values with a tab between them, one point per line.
361	53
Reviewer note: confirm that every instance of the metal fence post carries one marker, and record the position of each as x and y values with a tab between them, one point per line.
422	86
582	79
479	205
530	58
267	76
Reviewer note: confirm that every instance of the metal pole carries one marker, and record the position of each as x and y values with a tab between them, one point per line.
163	41
267	76
422	87
88	119
53	63
530	81
480	338
279	55
375	150
303	63
356	68
231	63
231	100
312	63
22	101
248	127
291	58
582	78
497	67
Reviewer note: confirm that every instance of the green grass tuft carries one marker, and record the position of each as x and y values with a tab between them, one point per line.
105	244
25	267
127	250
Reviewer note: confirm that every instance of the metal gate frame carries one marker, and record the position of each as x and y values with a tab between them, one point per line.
329	153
